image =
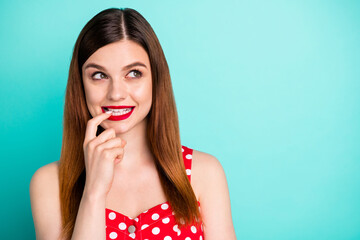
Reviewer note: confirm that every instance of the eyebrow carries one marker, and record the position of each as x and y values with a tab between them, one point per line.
124	68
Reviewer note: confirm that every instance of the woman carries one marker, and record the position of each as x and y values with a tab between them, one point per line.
123	173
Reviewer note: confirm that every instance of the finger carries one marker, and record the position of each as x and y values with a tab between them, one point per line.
112	143
113	154
102	138
105	136
92	125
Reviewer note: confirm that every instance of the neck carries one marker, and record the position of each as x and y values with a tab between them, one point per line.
137	152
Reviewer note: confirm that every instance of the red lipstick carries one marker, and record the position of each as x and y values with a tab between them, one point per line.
118	117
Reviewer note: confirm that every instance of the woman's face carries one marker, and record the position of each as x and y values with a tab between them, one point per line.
118	76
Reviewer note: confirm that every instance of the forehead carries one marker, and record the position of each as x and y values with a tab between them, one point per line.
118	54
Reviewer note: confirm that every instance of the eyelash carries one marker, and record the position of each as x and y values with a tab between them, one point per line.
133	70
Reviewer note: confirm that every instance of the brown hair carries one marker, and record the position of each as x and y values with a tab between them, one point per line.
106	27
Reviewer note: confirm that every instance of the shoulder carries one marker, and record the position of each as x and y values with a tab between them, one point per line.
206	160
211	184
45	202
45	170
44	177
206	168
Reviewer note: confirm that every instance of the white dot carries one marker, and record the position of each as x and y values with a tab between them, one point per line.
187	238
167	238
113	235
112	216
155	230
122	226
200	238
188	171
175	228
164	206
155	216
136	219
144	226
132	235
166	220
193	229
145	211
188	156
182	149
179	232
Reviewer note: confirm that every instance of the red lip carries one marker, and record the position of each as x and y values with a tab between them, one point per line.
117	107
121	117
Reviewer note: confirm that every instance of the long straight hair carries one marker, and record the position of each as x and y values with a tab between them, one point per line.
108	26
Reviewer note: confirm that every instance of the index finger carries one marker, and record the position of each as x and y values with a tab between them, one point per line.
92	125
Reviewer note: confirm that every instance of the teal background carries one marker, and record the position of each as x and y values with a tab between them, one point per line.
271	88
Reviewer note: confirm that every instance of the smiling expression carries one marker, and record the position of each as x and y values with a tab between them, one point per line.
117	78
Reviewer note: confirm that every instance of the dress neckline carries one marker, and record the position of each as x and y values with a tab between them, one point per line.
144	212
156	206
187	162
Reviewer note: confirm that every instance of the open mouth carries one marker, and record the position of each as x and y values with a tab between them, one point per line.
118	111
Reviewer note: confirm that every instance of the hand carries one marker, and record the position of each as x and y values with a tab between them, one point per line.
101	153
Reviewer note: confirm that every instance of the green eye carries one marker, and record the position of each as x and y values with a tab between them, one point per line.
135	74
98	75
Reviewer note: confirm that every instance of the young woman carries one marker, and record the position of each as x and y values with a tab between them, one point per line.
123	173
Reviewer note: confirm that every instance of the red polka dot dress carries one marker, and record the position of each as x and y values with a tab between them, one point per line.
156	223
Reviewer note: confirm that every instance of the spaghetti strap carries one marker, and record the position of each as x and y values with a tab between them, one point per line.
187	157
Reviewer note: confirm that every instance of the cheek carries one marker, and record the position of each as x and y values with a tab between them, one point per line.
143	94
92	95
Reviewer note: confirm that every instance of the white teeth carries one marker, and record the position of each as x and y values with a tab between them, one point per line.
118	112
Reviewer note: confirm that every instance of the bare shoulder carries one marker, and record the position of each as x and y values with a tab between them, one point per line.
204	168
202	159
210	183
45	177
45	202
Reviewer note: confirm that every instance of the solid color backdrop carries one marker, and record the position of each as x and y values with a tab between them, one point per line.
271	88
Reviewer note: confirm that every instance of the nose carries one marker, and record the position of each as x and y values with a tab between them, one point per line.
117	89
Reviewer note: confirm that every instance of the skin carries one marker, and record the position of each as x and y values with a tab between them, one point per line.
121	173
118	86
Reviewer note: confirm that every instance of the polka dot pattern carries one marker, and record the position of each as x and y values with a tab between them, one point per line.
166	220
155	216
112	216
164	206
113	235
157	222
155	230
122	226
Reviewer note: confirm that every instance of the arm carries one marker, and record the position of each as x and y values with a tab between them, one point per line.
101	153
45	203
90	220
45	206
214	197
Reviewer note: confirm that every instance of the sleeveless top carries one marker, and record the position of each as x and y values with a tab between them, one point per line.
156	223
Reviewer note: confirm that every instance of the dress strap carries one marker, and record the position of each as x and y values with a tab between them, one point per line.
187	157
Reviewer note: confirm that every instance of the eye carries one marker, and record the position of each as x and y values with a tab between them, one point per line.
134	74
98	76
